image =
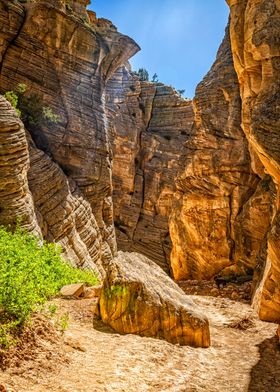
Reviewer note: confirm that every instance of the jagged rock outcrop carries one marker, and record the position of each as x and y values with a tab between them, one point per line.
149	125
211	224
255	40
138	297
65	61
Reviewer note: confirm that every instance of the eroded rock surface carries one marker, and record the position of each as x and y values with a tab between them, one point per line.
211	226
139	298
16	203
65	60
255	38
149	126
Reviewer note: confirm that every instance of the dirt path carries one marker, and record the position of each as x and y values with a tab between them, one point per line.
99	360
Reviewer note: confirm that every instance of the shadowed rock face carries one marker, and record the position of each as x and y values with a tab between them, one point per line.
138	297
16	203
66	61
255	39
149	126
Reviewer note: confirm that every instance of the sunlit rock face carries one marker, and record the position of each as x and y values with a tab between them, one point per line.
65	60
255	40
150	124
215	224
139	298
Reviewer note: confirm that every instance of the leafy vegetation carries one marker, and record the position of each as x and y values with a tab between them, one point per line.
142	74
29	107
31	272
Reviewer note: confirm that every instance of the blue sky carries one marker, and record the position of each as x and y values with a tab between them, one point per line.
179	38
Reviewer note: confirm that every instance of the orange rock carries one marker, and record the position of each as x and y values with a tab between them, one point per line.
92	292
139	298
73	290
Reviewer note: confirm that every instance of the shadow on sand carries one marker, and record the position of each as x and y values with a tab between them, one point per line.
265	375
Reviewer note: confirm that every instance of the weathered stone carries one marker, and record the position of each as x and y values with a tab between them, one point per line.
16	203
255	38
92	292
216	182
70	174
149	126
73	290
138	297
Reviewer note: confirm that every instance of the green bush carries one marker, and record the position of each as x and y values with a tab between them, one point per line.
29	107
31	273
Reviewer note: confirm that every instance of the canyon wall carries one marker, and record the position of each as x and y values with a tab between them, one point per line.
150	123
221	209
202	173
64	56
255	39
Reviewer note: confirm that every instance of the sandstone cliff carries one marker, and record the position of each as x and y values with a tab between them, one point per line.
57	176
215	224
204	173
64	56
149	126
255	38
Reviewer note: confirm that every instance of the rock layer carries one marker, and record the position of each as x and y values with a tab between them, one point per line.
16	203
138	297
255	38
149	126
70	175
211	226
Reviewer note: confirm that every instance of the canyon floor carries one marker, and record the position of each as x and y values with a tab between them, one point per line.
244	356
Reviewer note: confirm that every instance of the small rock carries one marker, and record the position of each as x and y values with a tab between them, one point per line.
75	344
6	388
92	292
73	290
234	295
214	292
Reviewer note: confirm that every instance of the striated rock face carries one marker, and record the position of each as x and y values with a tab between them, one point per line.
16	203
255	38
56	176
65	61
149	125
212	227
138	297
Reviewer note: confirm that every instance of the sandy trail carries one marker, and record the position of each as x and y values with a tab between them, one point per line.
100	360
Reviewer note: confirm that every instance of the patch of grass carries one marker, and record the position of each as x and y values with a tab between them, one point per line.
31	272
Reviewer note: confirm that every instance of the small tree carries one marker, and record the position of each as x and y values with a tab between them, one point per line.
143	74
181	92
155	78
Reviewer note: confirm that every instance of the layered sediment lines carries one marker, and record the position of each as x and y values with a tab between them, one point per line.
64	56
215	225
255	38
150	124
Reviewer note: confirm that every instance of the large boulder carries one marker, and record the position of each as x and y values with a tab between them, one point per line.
139	298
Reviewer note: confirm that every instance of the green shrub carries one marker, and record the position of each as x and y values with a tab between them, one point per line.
142	74
31	273
12	97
